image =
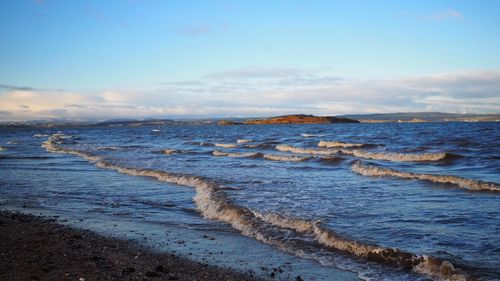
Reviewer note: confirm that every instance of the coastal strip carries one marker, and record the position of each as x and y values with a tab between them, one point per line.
37	248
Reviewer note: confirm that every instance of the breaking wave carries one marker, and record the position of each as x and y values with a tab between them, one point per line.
40	135
388	156
226	145
213	203
235	154
300	150
330	144
243	141
393	156
287	158
469	184
312	135
394	257
170	151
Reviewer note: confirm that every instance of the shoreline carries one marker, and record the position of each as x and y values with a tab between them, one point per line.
38	248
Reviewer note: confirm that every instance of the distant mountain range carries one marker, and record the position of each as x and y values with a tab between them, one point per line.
423	117
414	117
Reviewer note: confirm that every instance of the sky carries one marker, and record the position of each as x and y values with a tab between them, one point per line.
95	60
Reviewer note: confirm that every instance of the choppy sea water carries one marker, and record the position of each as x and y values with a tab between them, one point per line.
384	201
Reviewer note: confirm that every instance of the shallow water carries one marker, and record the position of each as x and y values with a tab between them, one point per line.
275	182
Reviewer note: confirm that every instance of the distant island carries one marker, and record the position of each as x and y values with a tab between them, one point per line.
291	119
403	117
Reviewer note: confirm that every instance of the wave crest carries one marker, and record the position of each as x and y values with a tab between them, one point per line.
305	135
388	256
300	150
469	184
170	151
225	145
330	144
213	203
235	154
287	158
397	157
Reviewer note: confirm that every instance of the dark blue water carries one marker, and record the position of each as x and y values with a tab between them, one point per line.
452	214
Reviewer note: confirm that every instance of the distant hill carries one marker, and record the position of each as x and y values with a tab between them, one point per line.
291	119
286	119
416	117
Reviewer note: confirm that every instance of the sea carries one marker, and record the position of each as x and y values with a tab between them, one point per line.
388	201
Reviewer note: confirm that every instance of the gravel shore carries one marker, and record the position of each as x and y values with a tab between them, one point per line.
37	248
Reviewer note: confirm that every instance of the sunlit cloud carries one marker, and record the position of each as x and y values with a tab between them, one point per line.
262	92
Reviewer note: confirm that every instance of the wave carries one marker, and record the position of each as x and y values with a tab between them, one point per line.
312	135
235	154
226	145
40	135
388	156
2	148
469	184
300	150
213	203
330	144
13	142
287	158
26	157
394	257
112	148
393	156
259	145
331	159
243	141
170	151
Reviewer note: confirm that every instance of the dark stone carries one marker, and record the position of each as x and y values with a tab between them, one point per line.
128	270
152	274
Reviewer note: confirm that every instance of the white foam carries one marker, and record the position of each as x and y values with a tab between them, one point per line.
213	203
243	141
170	151
392	156
226	145
286	158
330	144
441	269
300	150
470	184
234	154
40	135
312	135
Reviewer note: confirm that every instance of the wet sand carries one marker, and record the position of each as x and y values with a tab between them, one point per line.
37	248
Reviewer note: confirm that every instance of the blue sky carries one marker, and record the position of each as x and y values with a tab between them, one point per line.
105	59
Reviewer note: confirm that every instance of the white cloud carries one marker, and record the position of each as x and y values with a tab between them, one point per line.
448	14
287	91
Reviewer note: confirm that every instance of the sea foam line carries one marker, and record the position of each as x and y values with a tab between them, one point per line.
301	150
464	183
330	144
388	156
214	204
397	157
394	257
235	154
226	145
